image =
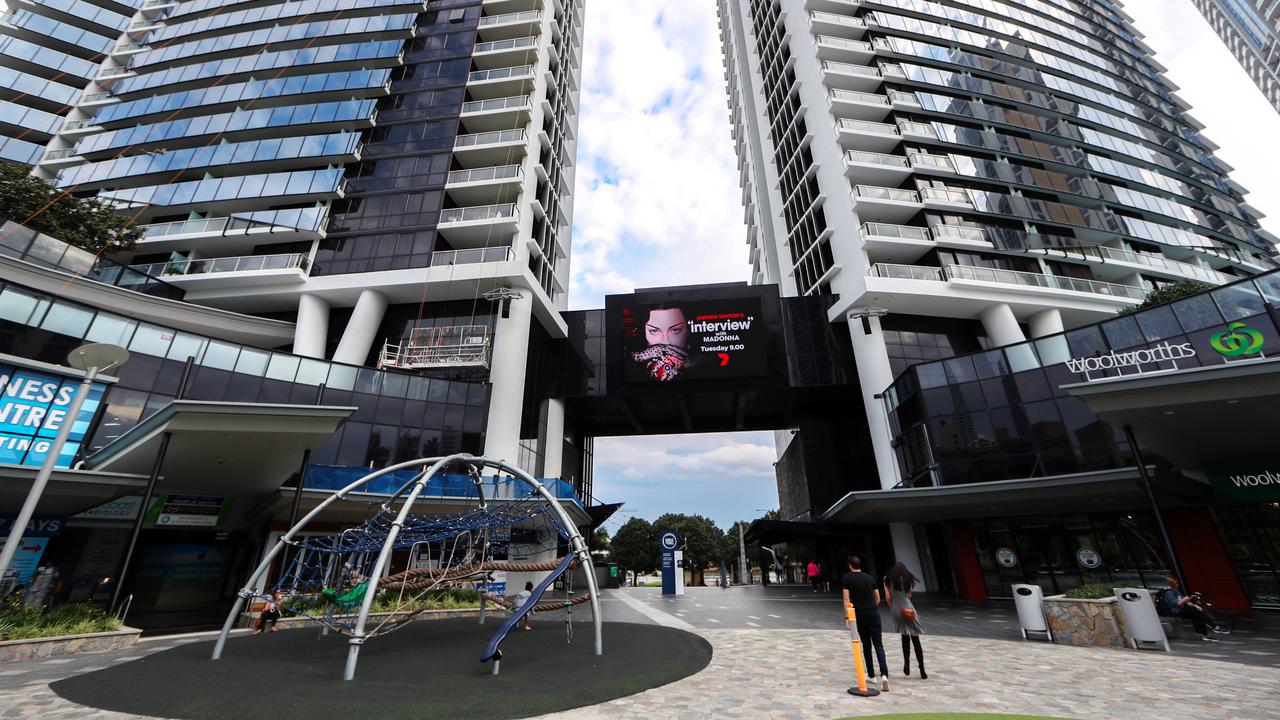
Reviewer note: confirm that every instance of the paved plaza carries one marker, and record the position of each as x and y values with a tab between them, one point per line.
778	654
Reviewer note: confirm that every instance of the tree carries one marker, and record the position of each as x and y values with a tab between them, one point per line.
733	544
86	223
1169	293
600	541
702	540
635	547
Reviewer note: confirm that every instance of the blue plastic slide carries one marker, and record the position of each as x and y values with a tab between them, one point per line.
491	650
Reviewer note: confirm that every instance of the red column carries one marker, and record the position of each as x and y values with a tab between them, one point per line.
964	561
1204	560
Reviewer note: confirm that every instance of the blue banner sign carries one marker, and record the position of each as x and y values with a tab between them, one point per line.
33	407
670	541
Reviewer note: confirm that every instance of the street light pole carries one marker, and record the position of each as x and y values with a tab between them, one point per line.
742	557
92	358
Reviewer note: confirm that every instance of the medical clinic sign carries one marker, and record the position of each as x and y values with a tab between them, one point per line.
33	407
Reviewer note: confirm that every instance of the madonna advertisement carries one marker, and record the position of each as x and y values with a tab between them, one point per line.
694	340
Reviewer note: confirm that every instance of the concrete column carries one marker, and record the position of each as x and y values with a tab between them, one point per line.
358	337
1046	322
553	440
311	330
906	552
506	374
1001	326
875	376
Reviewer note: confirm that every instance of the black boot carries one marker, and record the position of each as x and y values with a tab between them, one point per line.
915	640
906	655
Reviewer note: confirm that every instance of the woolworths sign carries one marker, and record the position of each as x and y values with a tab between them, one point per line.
1246	480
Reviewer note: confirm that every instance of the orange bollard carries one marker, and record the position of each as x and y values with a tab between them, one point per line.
860	670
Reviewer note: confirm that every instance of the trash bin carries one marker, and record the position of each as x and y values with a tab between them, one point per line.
1029	601
1141	621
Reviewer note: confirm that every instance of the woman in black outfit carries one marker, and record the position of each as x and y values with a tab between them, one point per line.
897	593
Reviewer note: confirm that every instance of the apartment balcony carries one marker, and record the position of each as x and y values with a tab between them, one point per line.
79	127
866	135
895	271
491	148
832	24
889	243
885	205
97	99
229	272
874	167
483	185
63	158
106	75
505	53
848	76
496	114
1034	282
238	233
479	226
936	198
840	49
934	164
909	129
905	100
442	258
961	237
500	82
508	26
858	105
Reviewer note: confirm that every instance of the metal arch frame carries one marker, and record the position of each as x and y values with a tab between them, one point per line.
418	485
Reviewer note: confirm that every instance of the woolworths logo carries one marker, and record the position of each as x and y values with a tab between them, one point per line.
1237	340
1265	478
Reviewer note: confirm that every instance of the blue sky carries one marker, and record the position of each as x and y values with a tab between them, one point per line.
657	203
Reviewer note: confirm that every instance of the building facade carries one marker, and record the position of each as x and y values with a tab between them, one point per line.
962	175
1251	31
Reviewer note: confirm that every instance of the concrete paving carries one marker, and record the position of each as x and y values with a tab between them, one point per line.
781	653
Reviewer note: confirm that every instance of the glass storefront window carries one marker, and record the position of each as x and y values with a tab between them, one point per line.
1238	301
282	367
1158	323
1270	286
220	356
185	346
67	320
21	308
1123	332
111	329
1196	313
252	362
1054	349
151	340
1021	357
312	372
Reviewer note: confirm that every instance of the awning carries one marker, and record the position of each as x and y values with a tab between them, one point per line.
1197	415
68	491
770	532
1081	492
222	447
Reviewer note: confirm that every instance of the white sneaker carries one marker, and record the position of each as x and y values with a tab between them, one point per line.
1206	638
884	683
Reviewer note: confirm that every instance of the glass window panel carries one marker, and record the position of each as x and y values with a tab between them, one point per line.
1270	286
282	367
185	346
111	329
1158	323
960	370
252	362
1123	332
931	375
1085	342
67	320
312	372
1238	301
1197	312
341	377
220	355
21	308
151	340
1055	349
1021	357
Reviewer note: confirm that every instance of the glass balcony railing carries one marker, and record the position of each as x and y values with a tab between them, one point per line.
959	233
501	45
872	192
902	232
903	98
826	17
1055	282
857	96
59	154
501	172
850	69
245	263
942	162
524	16
906	127
844	43
478	212
947	195
905	272
301	219
860	156
866	126
1162	263
490	138
26	244
506	73
507	103
470	257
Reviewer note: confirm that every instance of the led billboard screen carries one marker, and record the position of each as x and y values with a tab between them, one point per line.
33	407
696	339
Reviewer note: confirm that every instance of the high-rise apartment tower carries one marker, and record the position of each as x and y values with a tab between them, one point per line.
1251	31
967	174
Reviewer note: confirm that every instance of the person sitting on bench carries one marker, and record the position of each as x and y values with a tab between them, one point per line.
1187	606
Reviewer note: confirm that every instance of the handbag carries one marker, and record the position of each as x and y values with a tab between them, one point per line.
908	614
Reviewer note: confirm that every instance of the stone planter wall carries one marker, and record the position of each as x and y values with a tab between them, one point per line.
67	644
1085	622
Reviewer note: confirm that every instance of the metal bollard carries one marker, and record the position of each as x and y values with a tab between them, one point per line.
860	670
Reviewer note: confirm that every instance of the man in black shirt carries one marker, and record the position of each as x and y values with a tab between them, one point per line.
859	590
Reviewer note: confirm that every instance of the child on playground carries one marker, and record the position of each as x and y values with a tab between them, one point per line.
522	597
270	613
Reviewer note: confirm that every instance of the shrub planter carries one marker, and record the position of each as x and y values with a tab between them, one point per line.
68	644
1085	622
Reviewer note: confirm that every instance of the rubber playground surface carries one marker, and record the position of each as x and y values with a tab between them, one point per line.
426	669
